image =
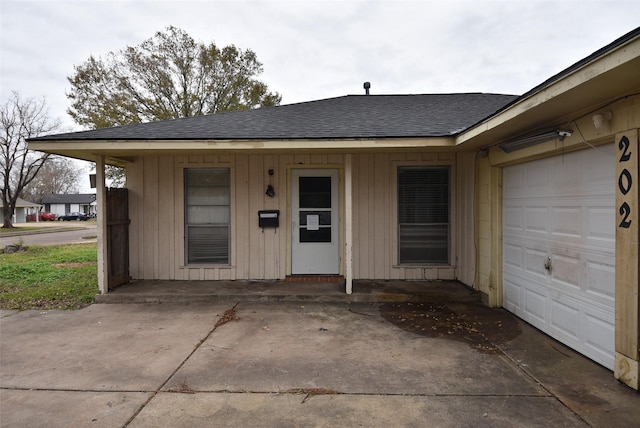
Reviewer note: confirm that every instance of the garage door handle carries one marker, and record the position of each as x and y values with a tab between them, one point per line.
547	264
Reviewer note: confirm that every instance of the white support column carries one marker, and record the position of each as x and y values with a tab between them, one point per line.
348	224
101	199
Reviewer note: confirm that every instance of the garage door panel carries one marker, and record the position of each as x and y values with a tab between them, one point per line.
600	280
599	337
599	230
512	295
565	319
597	168
600	274
535	303
513	256
536	220
565	269
567	173
566	221
582	327
563	209
513	181
512	218
534	263
538	179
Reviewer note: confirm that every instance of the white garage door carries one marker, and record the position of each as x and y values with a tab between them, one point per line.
559	248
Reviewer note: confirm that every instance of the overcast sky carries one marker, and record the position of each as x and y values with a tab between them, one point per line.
320	49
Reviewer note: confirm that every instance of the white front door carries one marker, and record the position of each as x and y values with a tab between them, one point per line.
315	247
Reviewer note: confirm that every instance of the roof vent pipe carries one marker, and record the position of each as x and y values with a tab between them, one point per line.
367	85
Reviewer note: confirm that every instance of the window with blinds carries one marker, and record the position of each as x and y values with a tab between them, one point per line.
207	215
423	215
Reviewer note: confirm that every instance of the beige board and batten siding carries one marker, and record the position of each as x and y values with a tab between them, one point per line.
376	222
157	215
157	218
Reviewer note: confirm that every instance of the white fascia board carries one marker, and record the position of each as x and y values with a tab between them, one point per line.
129	146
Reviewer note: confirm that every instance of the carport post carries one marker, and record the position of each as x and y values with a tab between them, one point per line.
101	199
348	224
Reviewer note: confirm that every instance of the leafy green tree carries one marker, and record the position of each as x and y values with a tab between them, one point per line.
19	120
167	76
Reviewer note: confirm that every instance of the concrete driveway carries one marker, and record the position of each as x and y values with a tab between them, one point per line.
297	364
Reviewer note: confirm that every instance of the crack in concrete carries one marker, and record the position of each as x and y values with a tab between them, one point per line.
540	384
291	391
227	316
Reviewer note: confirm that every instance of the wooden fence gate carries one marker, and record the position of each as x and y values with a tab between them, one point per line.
117	236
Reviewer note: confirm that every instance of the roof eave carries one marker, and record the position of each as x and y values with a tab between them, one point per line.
121	152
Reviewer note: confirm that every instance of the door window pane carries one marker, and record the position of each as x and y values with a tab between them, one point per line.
207	215
315	192
423	215
324	217
322	234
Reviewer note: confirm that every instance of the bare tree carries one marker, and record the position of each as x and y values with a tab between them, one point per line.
57	175
19	120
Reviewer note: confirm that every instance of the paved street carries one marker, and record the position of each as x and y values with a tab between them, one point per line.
79	232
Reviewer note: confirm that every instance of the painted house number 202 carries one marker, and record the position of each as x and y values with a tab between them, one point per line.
625	182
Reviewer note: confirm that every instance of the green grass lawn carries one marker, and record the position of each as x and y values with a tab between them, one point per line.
49	277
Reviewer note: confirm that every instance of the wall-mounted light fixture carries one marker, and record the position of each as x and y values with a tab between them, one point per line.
534	139
600	118
270	190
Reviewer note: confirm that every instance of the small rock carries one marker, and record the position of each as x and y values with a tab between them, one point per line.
11	249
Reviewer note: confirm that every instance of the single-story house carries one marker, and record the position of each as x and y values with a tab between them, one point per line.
22	209
61	204
531	199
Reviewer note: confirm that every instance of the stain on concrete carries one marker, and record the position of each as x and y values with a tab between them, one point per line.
479	326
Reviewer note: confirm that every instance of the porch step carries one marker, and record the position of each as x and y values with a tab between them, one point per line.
314	278
281	291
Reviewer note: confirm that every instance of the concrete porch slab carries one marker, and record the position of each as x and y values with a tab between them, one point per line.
281	291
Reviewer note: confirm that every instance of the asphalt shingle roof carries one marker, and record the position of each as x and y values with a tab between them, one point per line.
73	198
347	117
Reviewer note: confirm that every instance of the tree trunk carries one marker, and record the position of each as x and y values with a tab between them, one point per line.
7	222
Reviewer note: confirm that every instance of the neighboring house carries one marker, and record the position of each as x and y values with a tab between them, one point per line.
532	200
61	204
23	208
